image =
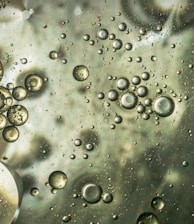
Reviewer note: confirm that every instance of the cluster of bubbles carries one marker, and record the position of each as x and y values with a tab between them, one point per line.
15	115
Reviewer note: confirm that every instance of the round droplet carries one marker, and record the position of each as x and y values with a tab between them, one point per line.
19	93
103	34
91	193
117	44
122	83
128	46
34	192
107	197
17	115
5	99
24	60
139	59
10	134
128	100
163	106
142	91
146	116
89	146
147	218
53	55
140	108
86	37
118	119
122	26
136	80
153	58
77	142
157	203
145	75
112	36
3	121
57	180
112	95
80	73
185	163
148	102
100	95
34	82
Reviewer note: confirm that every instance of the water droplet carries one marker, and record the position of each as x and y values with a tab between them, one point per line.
115	217
142	91
157	203
112	36
142	31
107	197
86	37
19	93
63	36
103	34
163	106
112	95
77	142
122	26
53	55
17	115
128	46
100	95
118	119
153	58
89	146
57	180
34	191
185	163
140	108
91	193
117	44
91	42
136	80
122	83
10	134
148	102
34	82
145	75
80	73
10	86
129	100
147	218
139	59
64	61
24	60
146	116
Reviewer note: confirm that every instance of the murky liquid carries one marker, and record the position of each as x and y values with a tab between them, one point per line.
96	105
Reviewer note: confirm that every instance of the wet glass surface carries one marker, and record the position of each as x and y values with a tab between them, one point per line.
96	111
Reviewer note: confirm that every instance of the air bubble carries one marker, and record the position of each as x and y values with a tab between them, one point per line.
100	95
10	134
103	34
86	37
157	203
153	58
118	119
91	193
17	115
24	60
136	80
145	76
89	147
107	197
122	83
80	73
185	163
63	36
77	142
34	192
19	93
117	44
142	91
140	108
34	82
147	218
128	46
142	31
112	95
163	106
139	59
57	180
112	36
122	26
128	100
53	55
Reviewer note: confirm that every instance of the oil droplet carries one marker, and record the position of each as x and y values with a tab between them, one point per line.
107	197
112	95
17	115
122	83
103	34
117	44
91	193
57	180
145	75
157	203
147	218
80	73
34	82
34	192
3	121
10	134
118	119
19	93
53	55
163	106
129	100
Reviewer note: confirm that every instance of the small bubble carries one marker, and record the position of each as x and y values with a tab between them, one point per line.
112	126
117	44
122	83
24	60
77	142
100	95
57	180
140	108
103	34
63	36
128	100
172	45
129	59
34	82
112	36
185	163
145	76
85	156
148	102
163	106
80	73
115	217
91	193
136	80
89	147
91	42
112	95
153	58
118	119
34	192
10	134
72	156
19	93
100	51
139	59
128	46
107	197
64	61
122	26
142	31
146	116
157	203
53	55
142	91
